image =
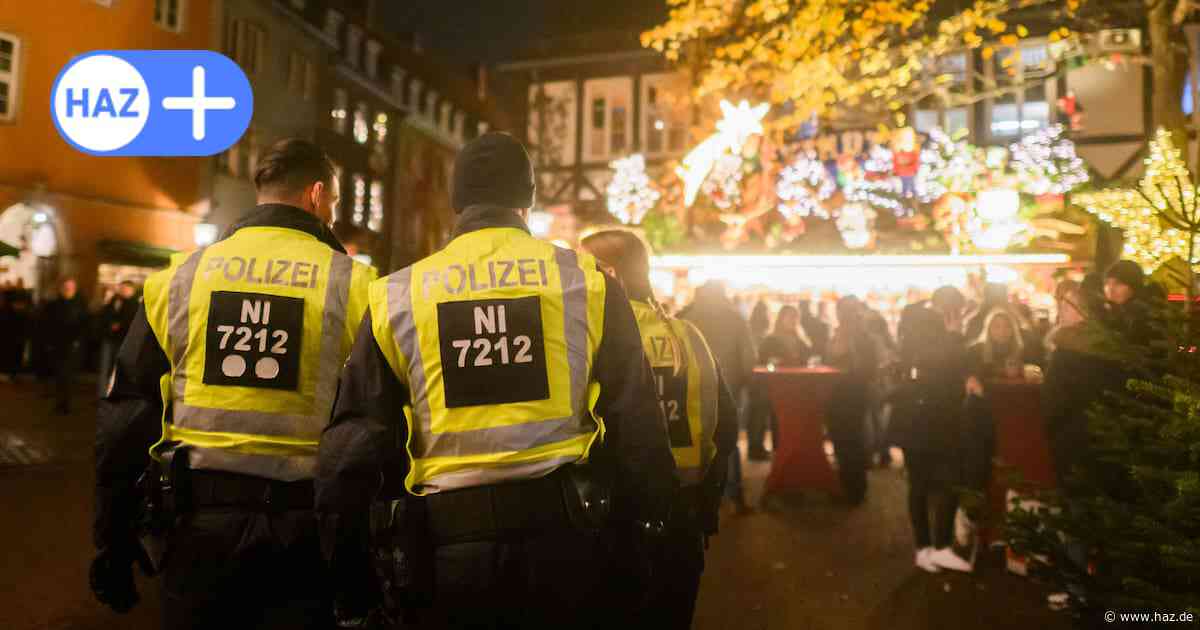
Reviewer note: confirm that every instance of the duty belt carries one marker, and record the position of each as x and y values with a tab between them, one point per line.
212	489
500	511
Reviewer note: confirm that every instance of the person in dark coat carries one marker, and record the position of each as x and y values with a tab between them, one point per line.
815	327
114	320
65	326
784	346
727	334
925	425
854	351
729	339
758	415
14	321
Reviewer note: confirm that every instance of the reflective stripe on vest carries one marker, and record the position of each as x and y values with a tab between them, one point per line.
463	432
263	412
689	399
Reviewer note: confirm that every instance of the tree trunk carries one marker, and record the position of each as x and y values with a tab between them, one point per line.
1169	54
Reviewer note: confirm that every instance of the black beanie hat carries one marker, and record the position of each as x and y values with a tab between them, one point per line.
495	170
1126	272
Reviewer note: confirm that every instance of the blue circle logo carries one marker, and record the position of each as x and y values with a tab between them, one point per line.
152	103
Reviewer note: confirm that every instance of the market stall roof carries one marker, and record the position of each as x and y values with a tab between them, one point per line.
8	250
134	253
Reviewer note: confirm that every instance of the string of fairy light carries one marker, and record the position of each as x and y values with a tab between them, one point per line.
1166	189
630	194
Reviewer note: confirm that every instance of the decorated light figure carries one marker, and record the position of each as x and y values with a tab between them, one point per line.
802	186
877	187
947	166
1155	216
630	195
733	130
854	222
1046	163
996	221
724	182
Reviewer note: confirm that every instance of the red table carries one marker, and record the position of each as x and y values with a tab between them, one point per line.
1021	443
800	397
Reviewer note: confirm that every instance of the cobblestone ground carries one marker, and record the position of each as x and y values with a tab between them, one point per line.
813	565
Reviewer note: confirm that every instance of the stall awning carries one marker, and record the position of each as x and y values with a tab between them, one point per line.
8	250
133	253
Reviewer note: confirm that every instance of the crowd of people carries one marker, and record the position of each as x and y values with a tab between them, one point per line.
924	387
56	338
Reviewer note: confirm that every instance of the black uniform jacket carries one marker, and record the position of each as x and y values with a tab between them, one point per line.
130	417
362	455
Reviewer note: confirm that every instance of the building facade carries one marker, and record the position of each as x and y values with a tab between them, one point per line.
286	66
99	219
581	111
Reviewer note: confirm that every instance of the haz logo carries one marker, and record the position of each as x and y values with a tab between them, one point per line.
152	103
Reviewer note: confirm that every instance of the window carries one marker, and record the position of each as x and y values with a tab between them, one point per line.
619	132
246	43
460	121
339	111
333	24
665	113
361	133
354	35
10	57
447	117
381	128
169	14
103	3
1025	105
310	80
935	110
360	199
599	117
372	61
375	220
552	115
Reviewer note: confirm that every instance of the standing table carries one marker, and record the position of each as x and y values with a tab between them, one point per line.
800	398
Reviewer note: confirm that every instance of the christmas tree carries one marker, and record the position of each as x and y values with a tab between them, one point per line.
1124	531
1046	163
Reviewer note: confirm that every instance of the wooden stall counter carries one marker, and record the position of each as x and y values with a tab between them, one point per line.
800	398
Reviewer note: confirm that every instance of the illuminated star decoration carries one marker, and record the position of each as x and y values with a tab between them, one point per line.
737	125
802	186
1046	163
1153	215
630	195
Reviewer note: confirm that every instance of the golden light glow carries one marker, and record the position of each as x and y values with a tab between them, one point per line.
1166	188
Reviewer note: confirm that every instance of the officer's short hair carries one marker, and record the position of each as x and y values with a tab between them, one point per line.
292	164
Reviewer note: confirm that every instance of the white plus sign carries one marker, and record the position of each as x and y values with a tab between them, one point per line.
198	102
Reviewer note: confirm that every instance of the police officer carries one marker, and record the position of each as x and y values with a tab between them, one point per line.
230	371
701	420
490	386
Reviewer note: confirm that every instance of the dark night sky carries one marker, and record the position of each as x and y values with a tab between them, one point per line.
468	31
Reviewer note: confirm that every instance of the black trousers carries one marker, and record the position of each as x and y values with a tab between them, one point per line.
232	567
66	369
759	419
932	501
547	580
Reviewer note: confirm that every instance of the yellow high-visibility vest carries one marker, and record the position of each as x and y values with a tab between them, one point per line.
495	337
256	328
688	397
